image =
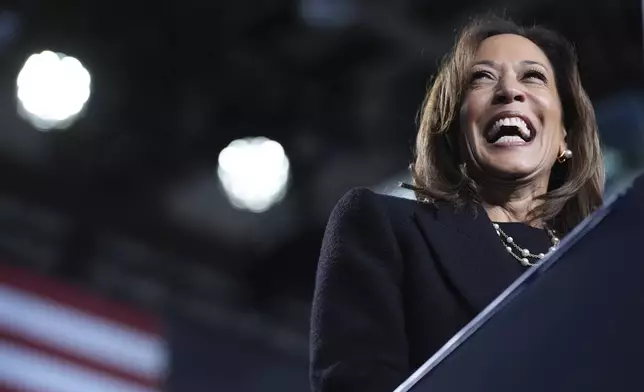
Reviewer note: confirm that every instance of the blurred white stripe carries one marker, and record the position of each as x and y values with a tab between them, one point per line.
81	334
29	370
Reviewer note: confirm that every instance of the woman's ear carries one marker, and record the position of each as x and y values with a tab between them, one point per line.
564	144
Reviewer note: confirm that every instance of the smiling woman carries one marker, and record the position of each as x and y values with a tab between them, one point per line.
507	162
501	71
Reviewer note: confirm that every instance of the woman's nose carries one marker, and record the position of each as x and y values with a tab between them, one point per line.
508	92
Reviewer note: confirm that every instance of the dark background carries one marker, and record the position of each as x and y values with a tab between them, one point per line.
126	203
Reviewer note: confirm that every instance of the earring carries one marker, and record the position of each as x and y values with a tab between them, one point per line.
564	156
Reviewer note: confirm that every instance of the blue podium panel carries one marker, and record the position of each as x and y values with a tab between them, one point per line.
575	322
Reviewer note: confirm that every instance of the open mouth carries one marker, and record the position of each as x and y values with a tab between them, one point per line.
510	130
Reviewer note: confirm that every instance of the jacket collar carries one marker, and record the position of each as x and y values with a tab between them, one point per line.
469	251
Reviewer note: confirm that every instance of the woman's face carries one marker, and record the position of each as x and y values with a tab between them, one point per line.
511	117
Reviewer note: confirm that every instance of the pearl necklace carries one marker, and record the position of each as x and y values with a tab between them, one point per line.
524	253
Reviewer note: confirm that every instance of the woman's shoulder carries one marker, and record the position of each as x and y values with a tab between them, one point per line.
362	202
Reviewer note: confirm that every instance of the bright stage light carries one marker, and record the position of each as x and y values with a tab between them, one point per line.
52	90
254	173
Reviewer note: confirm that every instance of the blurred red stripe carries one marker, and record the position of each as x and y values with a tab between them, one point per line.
77	298
4	388
87	363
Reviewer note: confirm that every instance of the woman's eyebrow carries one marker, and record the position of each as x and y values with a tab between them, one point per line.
532	62
486	62
495	64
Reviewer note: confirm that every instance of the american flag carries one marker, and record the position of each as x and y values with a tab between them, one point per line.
54	338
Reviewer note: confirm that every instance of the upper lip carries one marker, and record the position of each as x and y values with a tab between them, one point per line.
509	114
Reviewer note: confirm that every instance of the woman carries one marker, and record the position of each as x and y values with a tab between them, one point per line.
507	162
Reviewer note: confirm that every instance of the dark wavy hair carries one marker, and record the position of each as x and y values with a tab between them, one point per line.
576	186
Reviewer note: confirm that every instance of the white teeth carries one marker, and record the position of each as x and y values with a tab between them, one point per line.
510	139
511	122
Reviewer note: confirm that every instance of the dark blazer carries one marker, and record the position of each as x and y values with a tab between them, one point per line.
396	279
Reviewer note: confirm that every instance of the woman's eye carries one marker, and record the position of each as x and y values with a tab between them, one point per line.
481	75
534	74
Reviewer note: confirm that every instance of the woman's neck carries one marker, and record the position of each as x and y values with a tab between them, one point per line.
512	203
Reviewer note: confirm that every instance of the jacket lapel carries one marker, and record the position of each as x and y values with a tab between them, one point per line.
469	251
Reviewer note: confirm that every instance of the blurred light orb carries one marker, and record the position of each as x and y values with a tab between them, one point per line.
254	173
52	90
